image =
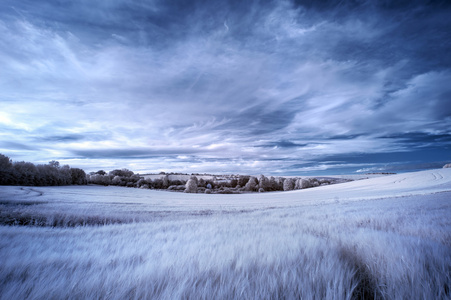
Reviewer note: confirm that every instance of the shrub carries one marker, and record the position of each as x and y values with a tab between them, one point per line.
141	182
233	182
226	191
116	180
288	184
314	182
251	185
165	182
201	183
302	184
191	185
263	183
157	183
123	173
242	180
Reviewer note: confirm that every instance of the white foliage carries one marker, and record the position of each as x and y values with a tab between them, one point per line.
251	185
116	180
191	185
288	184
263	183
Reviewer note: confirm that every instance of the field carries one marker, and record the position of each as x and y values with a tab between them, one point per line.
386	238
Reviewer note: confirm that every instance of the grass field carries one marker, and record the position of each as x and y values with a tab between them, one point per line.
383	238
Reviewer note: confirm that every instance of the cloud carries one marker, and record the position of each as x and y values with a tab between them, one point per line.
11	146
229	84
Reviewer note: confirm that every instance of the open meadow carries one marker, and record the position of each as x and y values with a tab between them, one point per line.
384	238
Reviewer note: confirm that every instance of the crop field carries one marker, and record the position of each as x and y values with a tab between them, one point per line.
384	238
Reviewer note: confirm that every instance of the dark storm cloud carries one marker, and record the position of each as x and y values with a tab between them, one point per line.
252	86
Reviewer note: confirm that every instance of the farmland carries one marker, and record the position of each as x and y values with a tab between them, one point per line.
386	237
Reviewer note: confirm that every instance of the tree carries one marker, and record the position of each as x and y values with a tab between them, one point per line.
263	183
191	185
166	181
242	180
54	164
302	184
251	185
314	182
25	173
78	176
288	184
195	179
123	173
64	175
5	162
116	180
201	183
273	184
233	182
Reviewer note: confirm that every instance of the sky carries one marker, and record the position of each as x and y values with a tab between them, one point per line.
249	87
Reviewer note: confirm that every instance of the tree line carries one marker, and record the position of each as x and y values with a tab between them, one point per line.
27	173
197	184
51	174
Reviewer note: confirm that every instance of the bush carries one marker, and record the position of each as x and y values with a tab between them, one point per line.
251	185
234	182
116	180
288	184
191	185
302	184
314	182
263	183
201	183
130	184
242	180
123	173
226	191
165	183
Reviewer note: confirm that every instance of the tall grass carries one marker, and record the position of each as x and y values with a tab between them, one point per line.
397	248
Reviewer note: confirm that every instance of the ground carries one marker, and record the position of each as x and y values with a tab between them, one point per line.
386	237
